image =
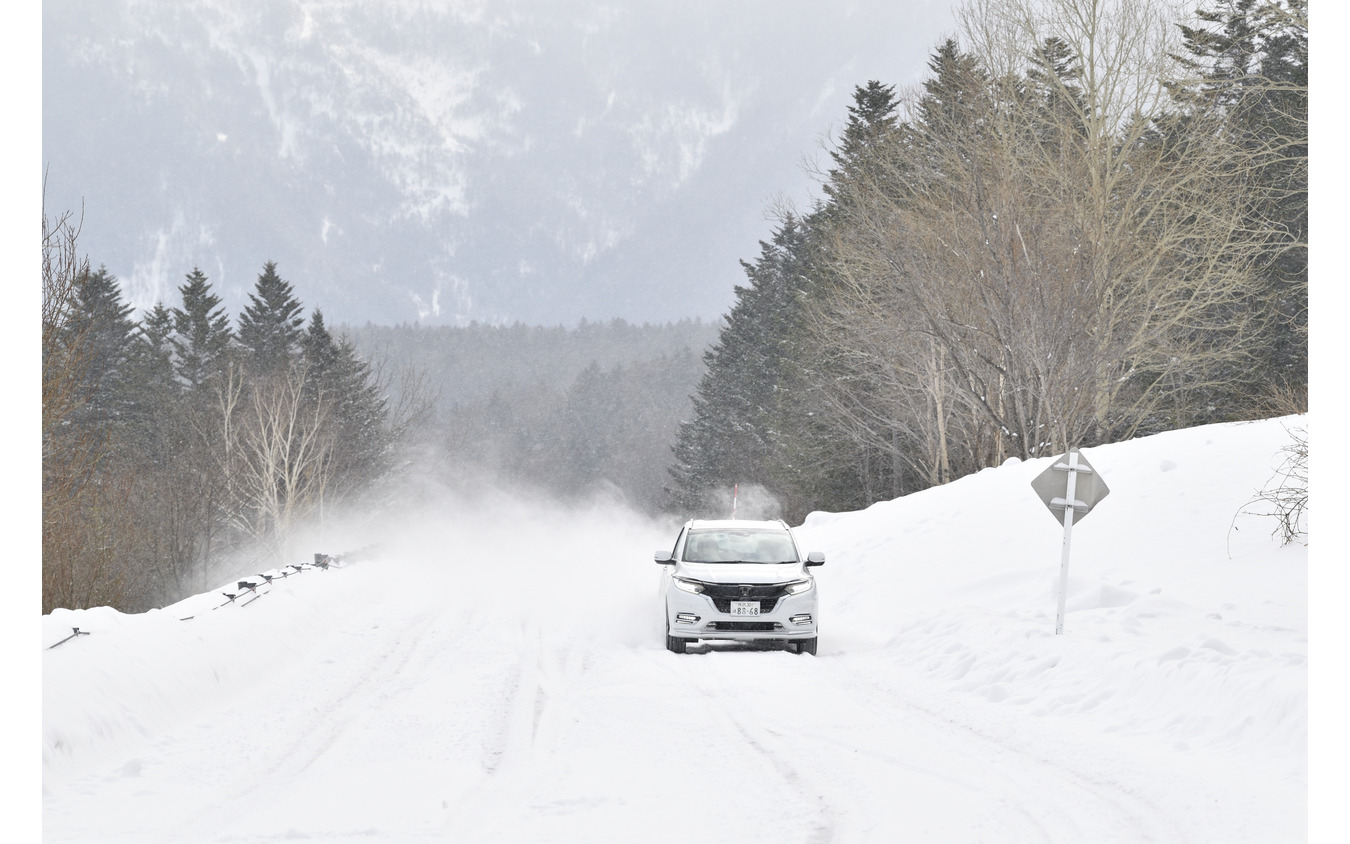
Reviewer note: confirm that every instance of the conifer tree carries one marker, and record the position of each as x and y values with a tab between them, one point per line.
153	386
872	121
357	410
100	317
188	445
202	333
155	350
269	328
730	439
320	351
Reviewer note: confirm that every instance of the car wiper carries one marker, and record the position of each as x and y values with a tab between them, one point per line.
759	562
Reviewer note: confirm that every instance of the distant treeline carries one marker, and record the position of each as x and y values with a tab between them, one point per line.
572	412
467	363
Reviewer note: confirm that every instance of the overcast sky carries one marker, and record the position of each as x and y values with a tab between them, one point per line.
537	160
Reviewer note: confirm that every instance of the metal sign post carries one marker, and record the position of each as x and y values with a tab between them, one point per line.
1068	538
1082	488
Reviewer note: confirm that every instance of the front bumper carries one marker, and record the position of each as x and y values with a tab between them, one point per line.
690	616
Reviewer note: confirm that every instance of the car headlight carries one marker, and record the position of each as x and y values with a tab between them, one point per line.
688	585
797	587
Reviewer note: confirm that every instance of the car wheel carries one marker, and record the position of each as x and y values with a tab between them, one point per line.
675	644
807	646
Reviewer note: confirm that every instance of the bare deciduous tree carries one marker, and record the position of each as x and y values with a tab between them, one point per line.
1044	255
1151	205
68	459
274	450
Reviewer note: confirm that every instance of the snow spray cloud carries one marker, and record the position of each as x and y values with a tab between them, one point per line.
743	501
508	554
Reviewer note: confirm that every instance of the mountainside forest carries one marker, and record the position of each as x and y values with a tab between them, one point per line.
1089	223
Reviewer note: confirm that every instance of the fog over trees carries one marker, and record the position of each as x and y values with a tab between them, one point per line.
1088	223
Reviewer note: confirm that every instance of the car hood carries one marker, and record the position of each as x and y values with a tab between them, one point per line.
741	572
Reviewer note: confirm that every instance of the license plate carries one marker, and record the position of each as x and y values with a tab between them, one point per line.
745	607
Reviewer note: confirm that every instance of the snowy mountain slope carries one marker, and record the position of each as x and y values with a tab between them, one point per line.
444	161
497	675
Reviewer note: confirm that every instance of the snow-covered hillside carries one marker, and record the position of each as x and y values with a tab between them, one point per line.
497	673
451	162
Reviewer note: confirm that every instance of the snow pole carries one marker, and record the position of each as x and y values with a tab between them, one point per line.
735	491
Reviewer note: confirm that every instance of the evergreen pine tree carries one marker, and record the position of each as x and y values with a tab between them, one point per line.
104	321
833	464
872	119
202	333
1052	84
153	383
155	351
269	328
358	411
320	350
192	489
756	413
954	105
731	437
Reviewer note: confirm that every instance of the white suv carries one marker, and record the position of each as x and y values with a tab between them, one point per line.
740	580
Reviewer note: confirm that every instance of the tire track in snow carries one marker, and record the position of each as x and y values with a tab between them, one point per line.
545	671
875	763
363	686
1027	773
764	742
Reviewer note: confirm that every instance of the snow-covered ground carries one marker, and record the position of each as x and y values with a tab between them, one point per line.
496	673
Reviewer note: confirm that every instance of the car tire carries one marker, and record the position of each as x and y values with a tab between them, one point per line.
807	646
675	644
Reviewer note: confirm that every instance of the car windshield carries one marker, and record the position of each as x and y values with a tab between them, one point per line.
739	546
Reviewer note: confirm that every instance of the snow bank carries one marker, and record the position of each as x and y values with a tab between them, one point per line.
1186	618
136	675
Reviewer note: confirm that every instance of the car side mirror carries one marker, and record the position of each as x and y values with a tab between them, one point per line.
815	558
665	558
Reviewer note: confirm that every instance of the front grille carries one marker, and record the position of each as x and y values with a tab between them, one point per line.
724	604
763	626
722	594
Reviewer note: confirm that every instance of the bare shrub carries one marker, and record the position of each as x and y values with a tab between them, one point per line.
1285	496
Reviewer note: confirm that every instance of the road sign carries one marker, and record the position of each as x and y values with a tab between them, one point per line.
1052	485
1070	488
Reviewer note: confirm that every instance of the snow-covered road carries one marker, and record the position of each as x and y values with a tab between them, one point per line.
438	722
502	679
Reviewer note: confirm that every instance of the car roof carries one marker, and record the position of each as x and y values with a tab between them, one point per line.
741	524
